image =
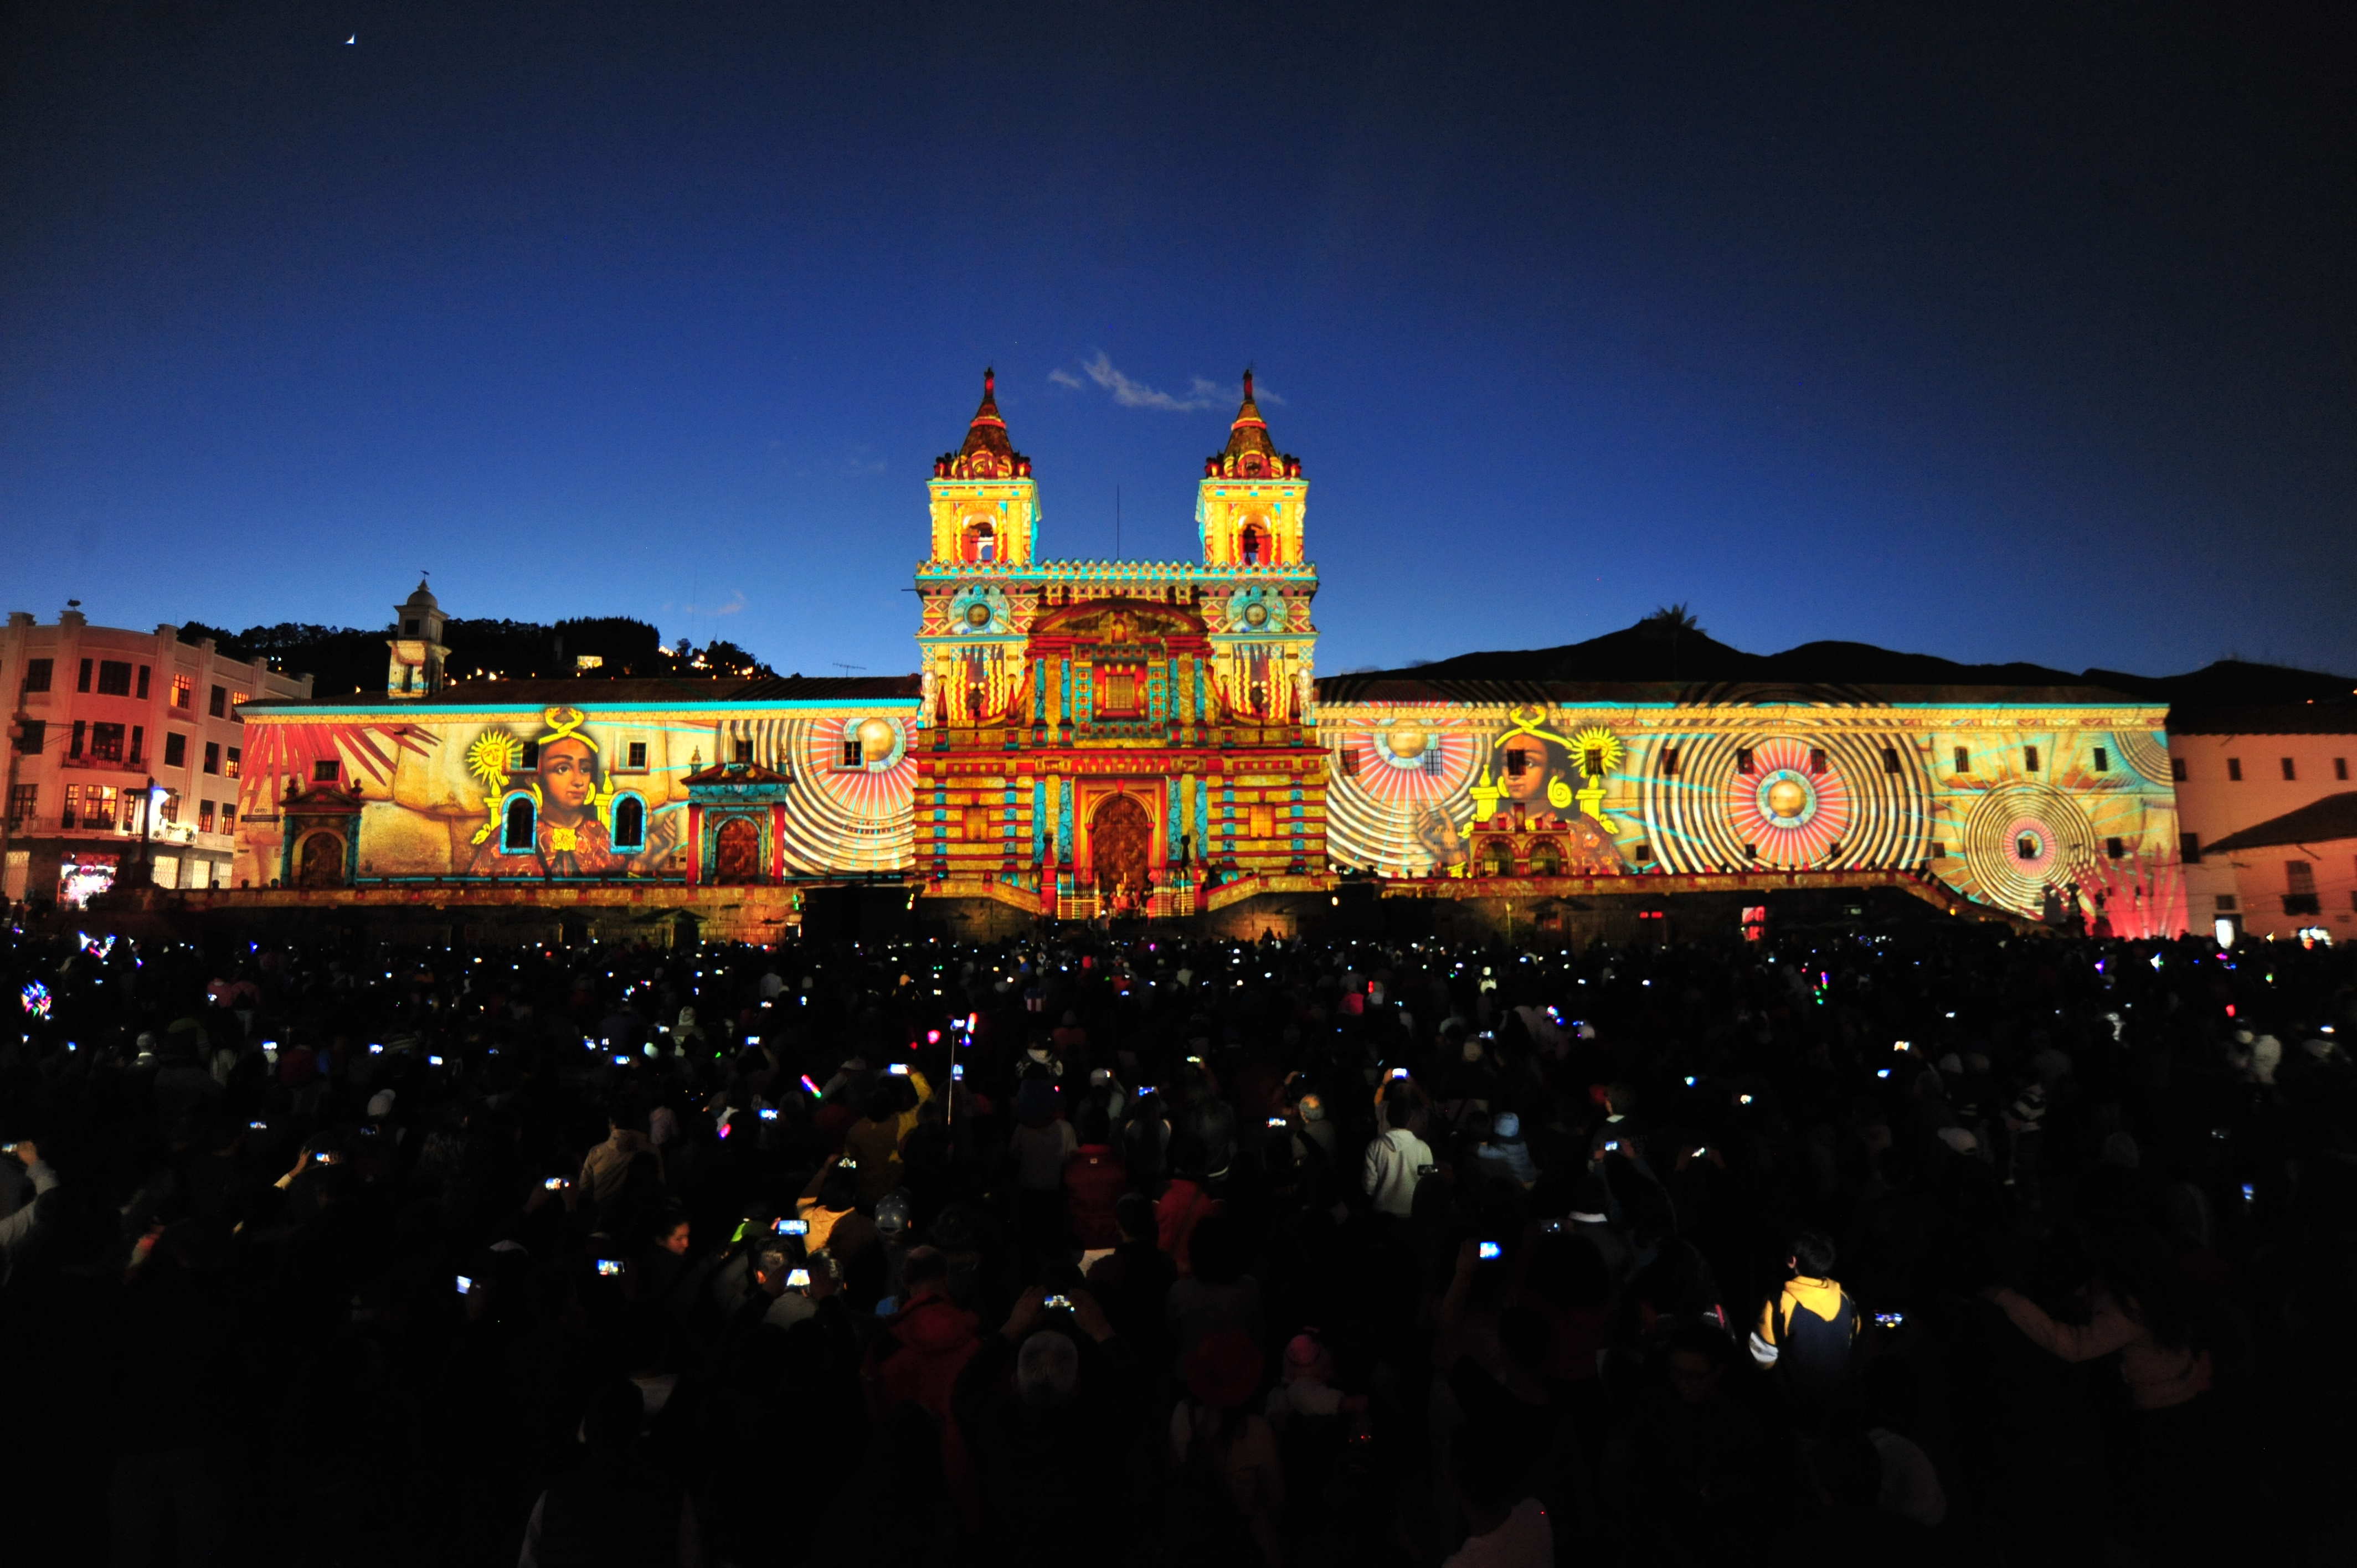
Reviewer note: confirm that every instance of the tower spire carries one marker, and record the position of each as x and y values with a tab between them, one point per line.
1250	453
987	454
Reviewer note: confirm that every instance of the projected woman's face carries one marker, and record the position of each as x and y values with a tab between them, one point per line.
567	777
1530	784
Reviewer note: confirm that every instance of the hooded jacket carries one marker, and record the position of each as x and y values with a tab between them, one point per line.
1807	1331
1181	1208
917	1358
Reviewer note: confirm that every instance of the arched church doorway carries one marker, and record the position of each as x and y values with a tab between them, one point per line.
322	863
736	852
1121	848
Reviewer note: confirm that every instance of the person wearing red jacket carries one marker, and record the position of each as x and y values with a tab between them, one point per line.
1095	1179
917	1358
1185	1199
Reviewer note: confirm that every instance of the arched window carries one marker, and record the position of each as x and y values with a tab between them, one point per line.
630	823
1497	858
1545	860
518	838
981	542
1248	547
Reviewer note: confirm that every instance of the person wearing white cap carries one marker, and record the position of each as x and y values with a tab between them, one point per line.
1314	1127
1504	1153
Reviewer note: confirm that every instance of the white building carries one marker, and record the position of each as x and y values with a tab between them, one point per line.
105	721
2246	776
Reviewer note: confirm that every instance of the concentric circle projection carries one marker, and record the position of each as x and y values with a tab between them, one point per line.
1792	815
2147	751
1854	812
1411	780
851	817
2021	839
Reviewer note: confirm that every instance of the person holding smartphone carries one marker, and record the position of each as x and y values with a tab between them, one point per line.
788	1285
1808	1334
830	1204
1398	1159
18	1231
874	1140
605	1169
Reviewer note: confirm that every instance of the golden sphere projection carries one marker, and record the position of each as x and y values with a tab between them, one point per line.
876	740
1407	739
1786	798
978	613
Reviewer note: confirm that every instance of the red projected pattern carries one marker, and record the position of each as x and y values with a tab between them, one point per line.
2034	845
1790	815
1411	762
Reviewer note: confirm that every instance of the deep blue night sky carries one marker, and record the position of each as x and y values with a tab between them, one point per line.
1999	335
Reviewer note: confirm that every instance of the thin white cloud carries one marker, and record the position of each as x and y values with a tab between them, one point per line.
735	602
1128	393
1202	390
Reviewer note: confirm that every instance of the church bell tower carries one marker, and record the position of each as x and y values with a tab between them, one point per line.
417	643
1248	508
985	501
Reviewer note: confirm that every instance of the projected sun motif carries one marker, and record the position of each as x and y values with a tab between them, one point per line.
1597	751
1789	812
863	763
1413	759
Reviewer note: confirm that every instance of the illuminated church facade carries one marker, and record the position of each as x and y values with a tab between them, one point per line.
1118	727
1083	738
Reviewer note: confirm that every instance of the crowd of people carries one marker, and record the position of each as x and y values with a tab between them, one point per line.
1944	1245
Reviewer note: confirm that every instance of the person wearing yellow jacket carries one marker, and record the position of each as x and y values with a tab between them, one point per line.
1807	1333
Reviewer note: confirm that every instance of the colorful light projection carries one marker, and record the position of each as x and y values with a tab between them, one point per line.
1786	800
564	815
1401	790
566	792
854	807
1828	785
1790	813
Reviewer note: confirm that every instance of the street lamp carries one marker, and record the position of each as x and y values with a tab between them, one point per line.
147	832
